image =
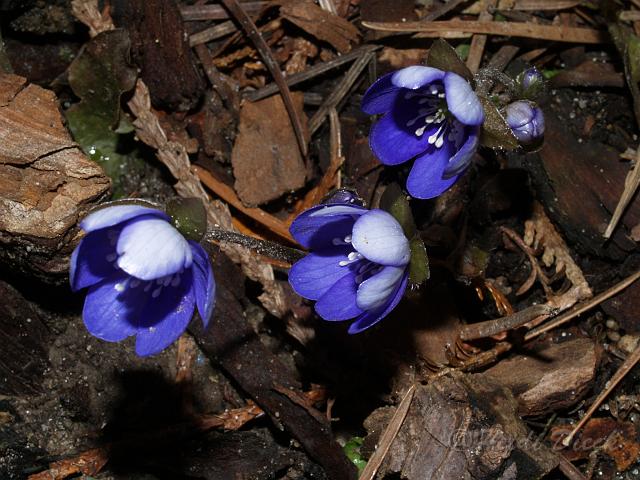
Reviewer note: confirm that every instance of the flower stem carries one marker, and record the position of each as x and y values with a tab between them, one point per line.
261	247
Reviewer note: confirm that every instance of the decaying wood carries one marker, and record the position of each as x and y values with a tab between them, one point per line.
549	378
462	426
46	182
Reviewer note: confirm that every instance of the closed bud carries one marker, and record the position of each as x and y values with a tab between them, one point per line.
526	121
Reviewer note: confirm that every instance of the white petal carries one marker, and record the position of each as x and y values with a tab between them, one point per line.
151	248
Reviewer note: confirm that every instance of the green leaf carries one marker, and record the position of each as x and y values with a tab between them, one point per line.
495	130
419	263
352	451
396	202
444	57
189	216
99	76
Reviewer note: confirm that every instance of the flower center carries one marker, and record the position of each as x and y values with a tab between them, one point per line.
433	115
360	266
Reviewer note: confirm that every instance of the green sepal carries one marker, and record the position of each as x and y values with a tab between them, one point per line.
444	57
396	202
419	263
496	133
189	217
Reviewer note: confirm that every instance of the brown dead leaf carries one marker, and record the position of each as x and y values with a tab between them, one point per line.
323	25
266	159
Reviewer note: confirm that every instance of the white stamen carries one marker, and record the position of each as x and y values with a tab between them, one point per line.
156	292
134	283
120	287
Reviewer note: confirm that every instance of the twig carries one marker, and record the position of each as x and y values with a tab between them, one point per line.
212	33
509	322
388	436
625	368
216	12
312	72
557	33
267	56
580	309
631	183
339	92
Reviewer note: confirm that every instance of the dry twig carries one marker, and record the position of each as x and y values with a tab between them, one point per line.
557	33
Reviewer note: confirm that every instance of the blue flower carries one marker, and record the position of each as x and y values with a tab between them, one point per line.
531	78
358	265
431	116
144	277
526	121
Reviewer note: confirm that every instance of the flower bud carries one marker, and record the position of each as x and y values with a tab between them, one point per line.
531	77
531	83
526	121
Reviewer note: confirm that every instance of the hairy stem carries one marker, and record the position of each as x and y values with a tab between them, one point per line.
261	247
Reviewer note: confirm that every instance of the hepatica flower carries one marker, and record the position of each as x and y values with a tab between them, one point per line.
144	278
358	265
431	116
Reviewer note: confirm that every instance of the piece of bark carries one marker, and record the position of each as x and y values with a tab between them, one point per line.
580	185
549	378
160	47
323	25
230	342
24	338
266	159
462	426
46	182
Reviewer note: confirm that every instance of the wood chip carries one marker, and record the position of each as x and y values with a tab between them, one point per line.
549	378
46	182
